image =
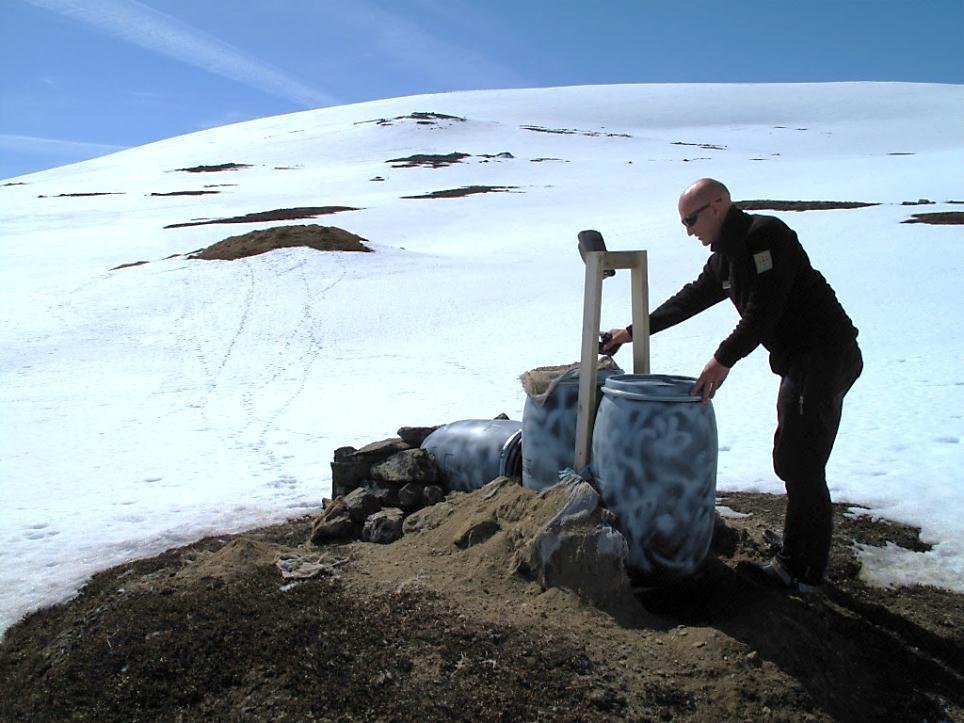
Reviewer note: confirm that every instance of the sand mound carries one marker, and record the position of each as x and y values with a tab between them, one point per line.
320	238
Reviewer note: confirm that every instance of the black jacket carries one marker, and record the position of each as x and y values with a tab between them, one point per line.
784	303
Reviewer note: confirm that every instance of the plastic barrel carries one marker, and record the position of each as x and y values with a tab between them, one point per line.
473	452
654	456
549	430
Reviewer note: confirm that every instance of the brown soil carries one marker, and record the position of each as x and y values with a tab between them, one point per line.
186	193
85	195
705	146
127	266
767	205
279	214
313	236
215	169
425	629
464	191
938	219
420	118
427	160
574	132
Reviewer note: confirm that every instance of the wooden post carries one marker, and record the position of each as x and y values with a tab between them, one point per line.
598	262
591	309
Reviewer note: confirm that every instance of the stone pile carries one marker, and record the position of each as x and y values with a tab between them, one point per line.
376	487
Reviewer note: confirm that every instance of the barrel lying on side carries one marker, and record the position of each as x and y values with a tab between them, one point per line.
654	457
473	452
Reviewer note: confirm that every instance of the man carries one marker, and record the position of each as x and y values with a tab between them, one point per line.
789	308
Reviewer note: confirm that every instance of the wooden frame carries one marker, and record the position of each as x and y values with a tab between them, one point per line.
597	262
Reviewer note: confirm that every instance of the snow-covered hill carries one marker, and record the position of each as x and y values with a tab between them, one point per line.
149	405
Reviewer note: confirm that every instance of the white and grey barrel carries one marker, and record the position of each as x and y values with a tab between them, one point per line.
549	429
654	457
473	452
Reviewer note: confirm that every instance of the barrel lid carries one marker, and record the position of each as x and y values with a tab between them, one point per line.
651	387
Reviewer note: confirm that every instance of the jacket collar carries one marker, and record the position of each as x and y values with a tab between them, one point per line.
733	232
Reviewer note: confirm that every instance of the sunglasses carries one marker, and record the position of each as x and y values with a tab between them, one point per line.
690	219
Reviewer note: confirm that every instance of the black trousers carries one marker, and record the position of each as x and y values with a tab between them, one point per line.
809	406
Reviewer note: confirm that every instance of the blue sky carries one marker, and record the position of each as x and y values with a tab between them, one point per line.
87	77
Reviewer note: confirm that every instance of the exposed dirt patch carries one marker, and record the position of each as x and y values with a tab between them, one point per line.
127	266
279	214
186	193
427	630
918	202
574	132
504	156
313	236
85	195
544	160
14	183
426	160
420	118
944	218
901	153
216	168
464	191
767	205
705	146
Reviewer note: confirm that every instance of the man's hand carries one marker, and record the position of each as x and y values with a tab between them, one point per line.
618	337
710	379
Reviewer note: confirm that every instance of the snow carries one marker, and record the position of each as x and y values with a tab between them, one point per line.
148	406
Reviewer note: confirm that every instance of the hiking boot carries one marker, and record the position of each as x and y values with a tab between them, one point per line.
774	573
773	540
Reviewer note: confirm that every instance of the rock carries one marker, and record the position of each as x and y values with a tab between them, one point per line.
384	526
432	494
386	492
377	452
579	549
725	538
352	466
477	533
361	502
333	524
410	496
426	518
415	435
412	465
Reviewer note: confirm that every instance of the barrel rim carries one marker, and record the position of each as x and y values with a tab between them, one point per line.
613	384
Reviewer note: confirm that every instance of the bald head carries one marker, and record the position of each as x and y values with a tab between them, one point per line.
703	207
706	190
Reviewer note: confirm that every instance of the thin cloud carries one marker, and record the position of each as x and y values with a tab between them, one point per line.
424	53
54	146
148	28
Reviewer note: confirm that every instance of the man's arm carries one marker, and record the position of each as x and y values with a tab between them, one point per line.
693	298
